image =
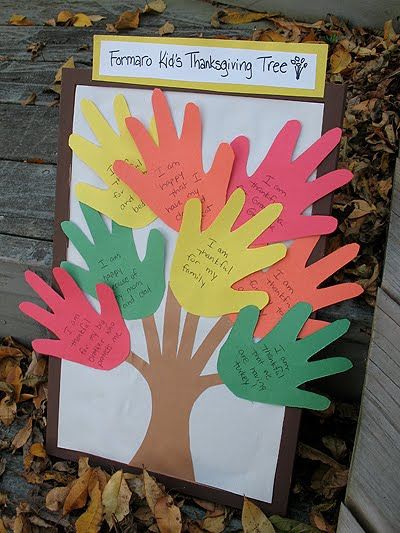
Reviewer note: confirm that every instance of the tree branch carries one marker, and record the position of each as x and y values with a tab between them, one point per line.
152	338
137	362
188	336
210	380
172	319
210	343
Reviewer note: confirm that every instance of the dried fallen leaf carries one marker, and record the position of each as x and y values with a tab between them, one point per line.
81	21
50	22
3	463
91	519
22	436
361	209
204	504
214	524
8	411
116	498
21	524
384	188
307	452
20	20
56	87
14	378
110	494
7	351
144	515
99	475
153	490
37	450
340	59
65	17
288	525
7	388
135	483
35	49
328	481
229	16
254	520
56	497
83	465
68	64
96	18
268	36
128	20
111	28
155	7
30	100
318	520
388	32
168	516
335	445
77	496
166	29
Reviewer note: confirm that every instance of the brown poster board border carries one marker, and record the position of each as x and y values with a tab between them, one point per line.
333	115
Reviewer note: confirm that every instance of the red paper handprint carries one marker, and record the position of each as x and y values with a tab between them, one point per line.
283	180
175	167
290	281
100	341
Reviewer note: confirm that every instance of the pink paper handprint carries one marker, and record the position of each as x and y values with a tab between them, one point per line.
98	340
281	179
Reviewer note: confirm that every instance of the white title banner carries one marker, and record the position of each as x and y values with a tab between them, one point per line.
232	66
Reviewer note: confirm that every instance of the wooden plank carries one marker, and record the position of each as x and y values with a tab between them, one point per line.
24	254
18	79
373	493
189	11
391	278
347	523
62	43
33	133
27	199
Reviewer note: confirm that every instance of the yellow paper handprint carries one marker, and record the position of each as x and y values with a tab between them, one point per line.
118	201
206	264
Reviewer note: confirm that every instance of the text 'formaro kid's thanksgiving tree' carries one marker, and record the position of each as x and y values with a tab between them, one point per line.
229	264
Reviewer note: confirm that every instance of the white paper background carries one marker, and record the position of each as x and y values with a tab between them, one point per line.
234	443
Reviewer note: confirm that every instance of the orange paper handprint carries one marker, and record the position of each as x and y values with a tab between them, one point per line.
174	167
290	281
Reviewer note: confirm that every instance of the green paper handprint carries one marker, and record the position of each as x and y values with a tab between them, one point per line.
271	370
112	258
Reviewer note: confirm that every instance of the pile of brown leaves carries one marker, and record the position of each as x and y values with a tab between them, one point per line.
40	493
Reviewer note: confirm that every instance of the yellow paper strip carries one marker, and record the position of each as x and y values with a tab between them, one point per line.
245	67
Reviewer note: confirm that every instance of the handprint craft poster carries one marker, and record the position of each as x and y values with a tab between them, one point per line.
180	279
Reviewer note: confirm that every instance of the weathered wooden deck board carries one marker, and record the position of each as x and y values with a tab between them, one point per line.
32	133
391	274
373	494
347	523
30	185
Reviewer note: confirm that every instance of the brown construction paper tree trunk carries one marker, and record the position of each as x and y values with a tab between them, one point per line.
173	374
